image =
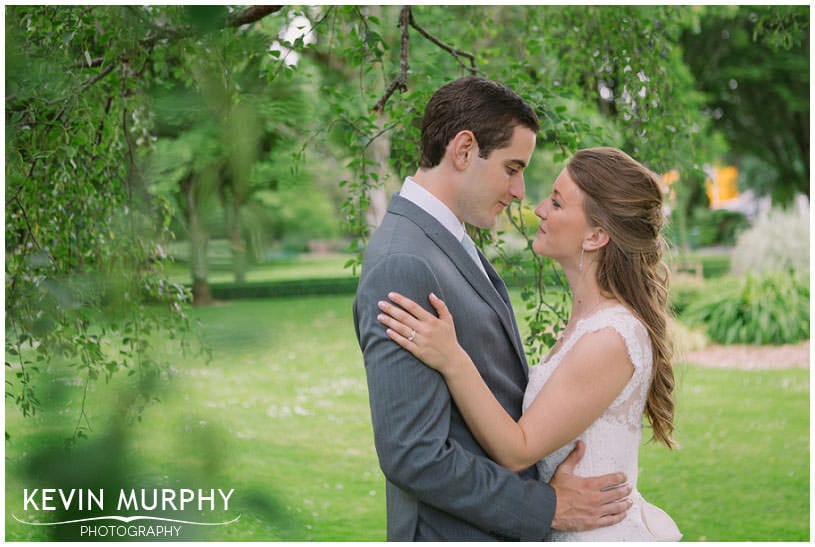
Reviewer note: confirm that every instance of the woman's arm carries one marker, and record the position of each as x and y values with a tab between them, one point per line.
585	383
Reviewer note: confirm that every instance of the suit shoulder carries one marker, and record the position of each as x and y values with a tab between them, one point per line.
397	236
396	263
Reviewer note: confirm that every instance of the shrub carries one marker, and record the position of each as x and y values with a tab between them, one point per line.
709	227
684	290
771	308
285	288
714	265
778	240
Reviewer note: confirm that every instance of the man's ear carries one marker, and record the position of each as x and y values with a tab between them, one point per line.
597	239
463	148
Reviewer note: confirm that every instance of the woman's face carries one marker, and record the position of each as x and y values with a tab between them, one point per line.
563	225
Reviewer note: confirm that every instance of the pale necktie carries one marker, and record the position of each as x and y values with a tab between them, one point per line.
469	246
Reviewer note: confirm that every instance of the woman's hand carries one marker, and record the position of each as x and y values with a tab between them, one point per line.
429	338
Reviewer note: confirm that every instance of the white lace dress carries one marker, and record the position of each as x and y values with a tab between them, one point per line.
612	442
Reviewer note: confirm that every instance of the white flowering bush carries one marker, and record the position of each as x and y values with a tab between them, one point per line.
777	241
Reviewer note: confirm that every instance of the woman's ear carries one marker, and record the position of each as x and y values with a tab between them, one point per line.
597	239
462	149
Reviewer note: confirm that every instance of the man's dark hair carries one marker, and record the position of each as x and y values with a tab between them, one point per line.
489	109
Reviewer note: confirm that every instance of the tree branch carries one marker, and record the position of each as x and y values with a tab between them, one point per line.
379	134
455	52
248	15
101	126
400	81
90	63
30	234
108	69
251	14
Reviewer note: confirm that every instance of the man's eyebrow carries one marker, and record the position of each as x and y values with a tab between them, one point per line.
517	163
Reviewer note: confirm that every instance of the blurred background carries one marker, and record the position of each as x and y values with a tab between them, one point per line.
189	190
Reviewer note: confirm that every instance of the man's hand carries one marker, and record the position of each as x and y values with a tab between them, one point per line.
585	503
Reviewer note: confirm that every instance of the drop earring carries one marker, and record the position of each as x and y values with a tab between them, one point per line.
580	265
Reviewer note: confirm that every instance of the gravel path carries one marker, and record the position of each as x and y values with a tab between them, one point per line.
750	357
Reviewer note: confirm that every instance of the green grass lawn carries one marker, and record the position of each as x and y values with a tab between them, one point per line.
281	416
742	471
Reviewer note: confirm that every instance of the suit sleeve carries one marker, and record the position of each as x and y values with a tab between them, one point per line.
410	408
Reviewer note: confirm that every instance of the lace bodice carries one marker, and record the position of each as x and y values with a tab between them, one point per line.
613	440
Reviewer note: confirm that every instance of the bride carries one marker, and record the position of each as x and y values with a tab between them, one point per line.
611	364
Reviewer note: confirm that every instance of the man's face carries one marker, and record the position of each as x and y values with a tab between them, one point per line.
492	183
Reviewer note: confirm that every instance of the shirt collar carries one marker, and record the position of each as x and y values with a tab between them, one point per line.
418	195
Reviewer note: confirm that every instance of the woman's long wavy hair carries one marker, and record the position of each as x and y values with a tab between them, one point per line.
624	198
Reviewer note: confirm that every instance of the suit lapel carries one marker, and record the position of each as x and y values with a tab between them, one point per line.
501	289
492	290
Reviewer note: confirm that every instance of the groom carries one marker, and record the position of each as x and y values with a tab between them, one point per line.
477	138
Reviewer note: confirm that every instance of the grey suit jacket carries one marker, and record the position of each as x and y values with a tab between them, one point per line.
440	484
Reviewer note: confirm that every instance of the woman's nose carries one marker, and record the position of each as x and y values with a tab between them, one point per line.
540	210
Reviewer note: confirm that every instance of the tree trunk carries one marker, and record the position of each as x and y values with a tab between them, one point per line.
201	295
236	241
380	153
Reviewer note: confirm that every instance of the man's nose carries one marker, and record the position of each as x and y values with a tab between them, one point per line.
518	189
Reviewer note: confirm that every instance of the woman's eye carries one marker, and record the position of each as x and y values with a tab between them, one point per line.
555	204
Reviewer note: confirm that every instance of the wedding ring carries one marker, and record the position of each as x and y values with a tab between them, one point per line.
412	335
